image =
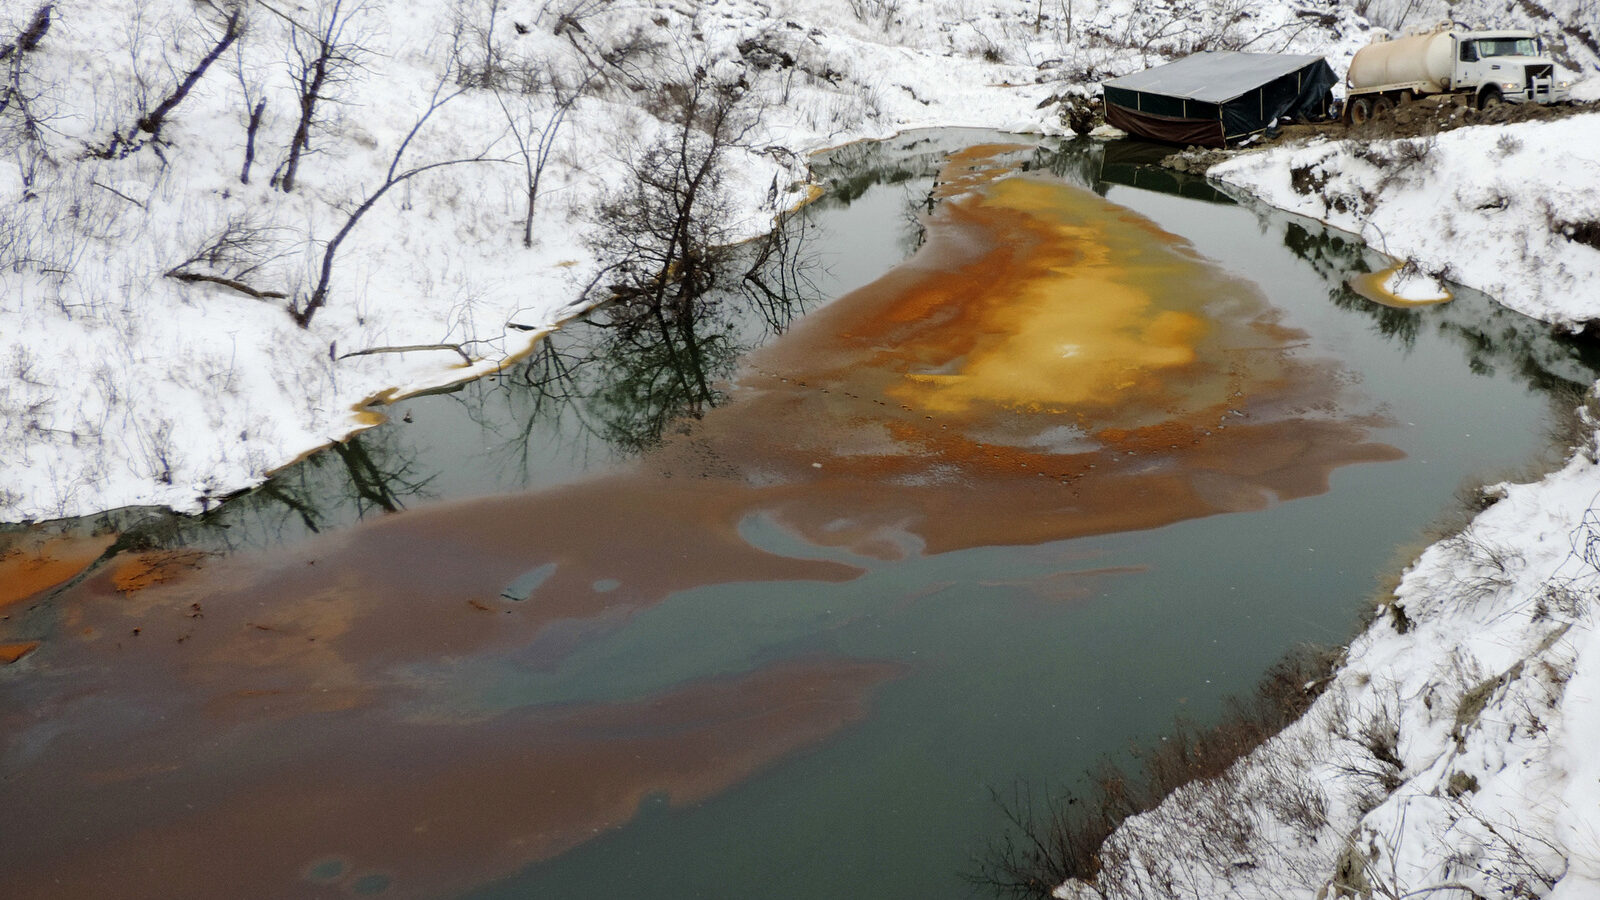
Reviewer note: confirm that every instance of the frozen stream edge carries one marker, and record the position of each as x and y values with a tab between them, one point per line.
1454	748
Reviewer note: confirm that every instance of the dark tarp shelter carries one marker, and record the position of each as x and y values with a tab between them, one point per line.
1219	96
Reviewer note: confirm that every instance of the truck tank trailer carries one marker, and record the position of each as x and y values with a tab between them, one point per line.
1482	67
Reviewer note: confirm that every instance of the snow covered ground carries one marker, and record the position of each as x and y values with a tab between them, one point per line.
1455	746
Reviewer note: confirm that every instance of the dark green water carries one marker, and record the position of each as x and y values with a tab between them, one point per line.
1007	677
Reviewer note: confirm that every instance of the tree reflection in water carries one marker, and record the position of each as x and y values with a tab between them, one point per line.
596	389
603	387
627	373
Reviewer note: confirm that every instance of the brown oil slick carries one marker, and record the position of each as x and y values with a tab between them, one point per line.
1047	366
141	570
31	565
419	808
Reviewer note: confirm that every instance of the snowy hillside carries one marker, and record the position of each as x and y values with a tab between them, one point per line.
1453	755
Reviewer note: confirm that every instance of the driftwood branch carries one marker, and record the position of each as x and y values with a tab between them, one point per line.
407	348
241	287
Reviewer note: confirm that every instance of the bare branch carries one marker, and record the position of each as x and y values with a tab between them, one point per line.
239	286
407	348
319	295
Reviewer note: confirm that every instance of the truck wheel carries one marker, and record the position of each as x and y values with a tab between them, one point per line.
1489	99
1382	108
1360	111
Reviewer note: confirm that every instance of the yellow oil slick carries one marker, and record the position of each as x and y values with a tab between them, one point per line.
1079	311
1074	330
1374	287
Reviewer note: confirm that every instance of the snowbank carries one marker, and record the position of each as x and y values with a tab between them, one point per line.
1454	747
1509	209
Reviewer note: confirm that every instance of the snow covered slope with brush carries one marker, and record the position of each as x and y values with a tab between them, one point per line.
1453	754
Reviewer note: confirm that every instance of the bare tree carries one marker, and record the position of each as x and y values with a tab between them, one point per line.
128	140
303	310
233	25
535	96
536	138
323	56
255	106
237	251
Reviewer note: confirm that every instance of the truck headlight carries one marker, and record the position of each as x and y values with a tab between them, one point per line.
1511	85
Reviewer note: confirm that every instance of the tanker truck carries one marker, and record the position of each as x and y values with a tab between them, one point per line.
1482	67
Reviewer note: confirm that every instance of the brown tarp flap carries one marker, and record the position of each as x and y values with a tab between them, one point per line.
1203	132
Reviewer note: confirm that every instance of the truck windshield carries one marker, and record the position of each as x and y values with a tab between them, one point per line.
1507	47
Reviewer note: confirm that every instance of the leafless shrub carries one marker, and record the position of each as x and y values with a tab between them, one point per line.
1397	160
1488	858
21	121
477	57
1518	861
1562	602
879	13
157	449
47	232
620	57
234	253
1367	753
1486	567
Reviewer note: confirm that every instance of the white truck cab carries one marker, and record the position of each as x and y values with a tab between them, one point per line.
1505	65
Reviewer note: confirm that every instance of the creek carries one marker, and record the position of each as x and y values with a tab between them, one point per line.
990	462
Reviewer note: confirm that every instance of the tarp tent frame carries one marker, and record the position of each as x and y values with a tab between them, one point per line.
1215	97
